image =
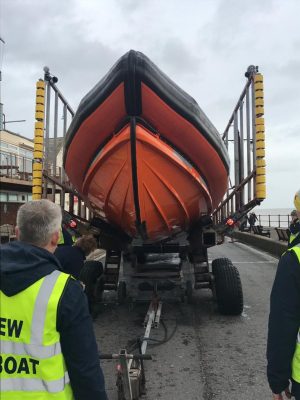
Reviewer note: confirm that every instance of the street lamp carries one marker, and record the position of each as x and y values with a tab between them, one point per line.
1	105
10	122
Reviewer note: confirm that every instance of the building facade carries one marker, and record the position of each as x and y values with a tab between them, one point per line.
16	157
16	154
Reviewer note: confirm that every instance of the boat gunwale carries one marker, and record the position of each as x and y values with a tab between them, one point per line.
137	67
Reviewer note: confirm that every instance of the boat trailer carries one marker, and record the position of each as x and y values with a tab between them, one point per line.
131	381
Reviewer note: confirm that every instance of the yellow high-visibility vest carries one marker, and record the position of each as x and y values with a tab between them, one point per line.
293	237
32	365
61	239
296	358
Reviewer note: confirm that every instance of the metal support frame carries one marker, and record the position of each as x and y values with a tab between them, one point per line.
151	320
124	366
248	149
46	148
53	181
37	166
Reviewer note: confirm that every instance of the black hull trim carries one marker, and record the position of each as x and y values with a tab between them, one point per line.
132	69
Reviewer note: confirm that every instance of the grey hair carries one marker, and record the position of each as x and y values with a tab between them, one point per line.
37	220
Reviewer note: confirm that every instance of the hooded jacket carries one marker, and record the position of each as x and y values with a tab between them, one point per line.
22	264
71	259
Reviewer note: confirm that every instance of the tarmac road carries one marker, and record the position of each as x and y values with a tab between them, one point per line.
208	356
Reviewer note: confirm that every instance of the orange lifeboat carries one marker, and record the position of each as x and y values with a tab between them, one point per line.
143	154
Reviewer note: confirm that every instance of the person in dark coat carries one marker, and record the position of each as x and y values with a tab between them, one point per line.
30	259
72	258
93	279
243	224
252	220
294	230
283	368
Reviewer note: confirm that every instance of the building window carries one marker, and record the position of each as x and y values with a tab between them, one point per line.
12	197
26	153
3	197
3	145
15	197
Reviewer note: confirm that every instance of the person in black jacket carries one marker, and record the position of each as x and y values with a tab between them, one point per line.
294	230
252	218
30	259
284	324
72	258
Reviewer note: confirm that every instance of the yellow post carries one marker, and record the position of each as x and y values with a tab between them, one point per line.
38	151
260	137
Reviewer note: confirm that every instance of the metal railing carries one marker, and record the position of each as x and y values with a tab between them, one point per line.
53	115
17	167
244	138
7	233
275	221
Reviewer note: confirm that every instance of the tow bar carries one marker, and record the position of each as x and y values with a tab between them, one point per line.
131	380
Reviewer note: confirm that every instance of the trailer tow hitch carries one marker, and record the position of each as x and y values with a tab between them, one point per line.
130	367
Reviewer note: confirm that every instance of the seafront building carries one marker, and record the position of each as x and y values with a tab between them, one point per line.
16	155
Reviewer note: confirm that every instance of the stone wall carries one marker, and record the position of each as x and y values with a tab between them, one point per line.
271	246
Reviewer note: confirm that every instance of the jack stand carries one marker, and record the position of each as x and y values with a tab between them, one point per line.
130	373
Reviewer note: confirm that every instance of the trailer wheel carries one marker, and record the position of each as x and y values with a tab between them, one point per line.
229	292
121	292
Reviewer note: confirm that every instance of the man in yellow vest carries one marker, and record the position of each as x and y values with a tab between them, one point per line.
48	346
283	350
294	230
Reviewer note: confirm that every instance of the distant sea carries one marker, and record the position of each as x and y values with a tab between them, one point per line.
274	216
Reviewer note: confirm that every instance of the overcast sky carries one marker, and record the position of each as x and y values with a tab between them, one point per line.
205	46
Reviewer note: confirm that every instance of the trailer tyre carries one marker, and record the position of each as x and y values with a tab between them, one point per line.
229	292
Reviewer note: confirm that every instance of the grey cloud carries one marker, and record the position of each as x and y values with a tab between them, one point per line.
180	60
288	70
54	39
127	6
233	24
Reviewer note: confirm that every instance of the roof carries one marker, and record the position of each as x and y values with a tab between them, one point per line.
16	134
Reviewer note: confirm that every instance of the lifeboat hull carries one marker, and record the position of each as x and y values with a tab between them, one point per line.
170	192
143	154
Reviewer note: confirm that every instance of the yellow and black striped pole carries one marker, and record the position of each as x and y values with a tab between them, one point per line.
260	137
38	152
